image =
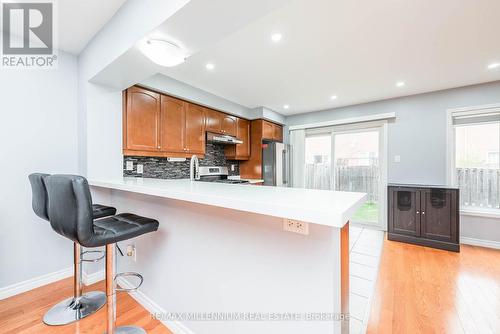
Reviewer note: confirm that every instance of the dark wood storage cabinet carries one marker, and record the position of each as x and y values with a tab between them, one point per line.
424	215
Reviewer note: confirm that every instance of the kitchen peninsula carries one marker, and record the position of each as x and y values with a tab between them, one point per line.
222	248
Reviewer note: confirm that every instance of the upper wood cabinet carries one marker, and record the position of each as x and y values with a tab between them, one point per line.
213	121
163	126
141	125
219	122
229	126
240	151
194	129
267	130
182	126
173	120
272	131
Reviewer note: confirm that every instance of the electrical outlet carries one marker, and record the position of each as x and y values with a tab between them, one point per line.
295	226
233	168
140	169
397	158
129	165
132	252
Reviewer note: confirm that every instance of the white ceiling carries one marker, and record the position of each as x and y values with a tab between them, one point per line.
79	20
354	49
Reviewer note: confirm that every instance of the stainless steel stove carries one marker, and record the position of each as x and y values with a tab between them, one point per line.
217	174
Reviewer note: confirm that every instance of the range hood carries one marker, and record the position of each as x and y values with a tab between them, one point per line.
223	139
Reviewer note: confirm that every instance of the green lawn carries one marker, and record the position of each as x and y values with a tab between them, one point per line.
368	213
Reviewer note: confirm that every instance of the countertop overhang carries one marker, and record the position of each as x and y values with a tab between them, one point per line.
323	207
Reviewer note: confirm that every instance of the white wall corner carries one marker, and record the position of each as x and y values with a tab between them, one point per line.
89	279
35	282
176	327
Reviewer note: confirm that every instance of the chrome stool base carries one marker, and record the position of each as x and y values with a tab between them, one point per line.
129	330
71	309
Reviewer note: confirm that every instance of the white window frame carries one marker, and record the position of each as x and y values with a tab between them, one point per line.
450	152
380	125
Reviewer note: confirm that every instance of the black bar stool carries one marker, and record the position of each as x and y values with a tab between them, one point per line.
70	212
80	305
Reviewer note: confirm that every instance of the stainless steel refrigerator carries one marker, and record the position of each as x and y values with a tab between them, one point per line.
276	164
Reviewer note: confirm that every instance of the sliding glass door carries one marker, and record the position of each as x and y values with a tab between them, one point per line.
350	158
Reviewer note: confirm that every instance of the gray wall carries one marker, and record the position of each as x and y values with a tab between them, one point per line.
38	134
418	135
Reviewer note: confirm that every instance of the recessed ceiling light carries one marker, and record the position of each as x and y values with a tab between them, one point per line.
333	97
400	84
163	52
493	65
210	66
276	37
286	106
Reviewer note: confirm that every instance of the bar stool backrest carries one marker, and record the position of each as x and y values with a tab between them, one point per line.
70	207
39	198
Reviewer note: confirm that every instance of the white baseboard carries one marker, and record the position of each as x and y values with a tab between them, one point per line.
35	282
176	327
480	242
89	279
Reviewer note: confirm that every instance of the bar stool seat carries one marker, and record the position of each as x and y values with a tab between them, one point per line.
101	211
80	305
70	212
120	227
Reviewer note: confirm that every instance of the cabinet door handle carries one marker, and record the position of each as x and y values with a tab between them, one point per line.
418	212
423	212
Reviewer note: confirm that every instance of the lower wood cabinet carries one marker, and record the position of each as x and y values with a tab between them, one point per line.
427	216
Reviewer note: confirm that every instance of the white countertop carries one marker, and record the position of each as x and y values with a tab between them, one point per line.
330	208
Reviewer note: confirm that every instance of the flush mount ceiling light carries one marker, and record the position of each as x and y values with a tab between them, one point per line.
286	106
210	66
276	37
333	97
400	84
493	66
164	53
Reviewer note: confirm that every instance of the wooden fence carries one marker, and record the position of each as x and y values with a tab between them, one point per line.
479	187
347	178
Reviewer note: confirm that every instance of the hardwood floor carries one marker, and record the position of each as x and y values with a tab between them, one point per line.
424	290
418	290
23	313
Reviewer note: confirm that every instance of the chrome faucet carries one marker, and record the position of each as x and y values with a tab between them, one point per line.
194	168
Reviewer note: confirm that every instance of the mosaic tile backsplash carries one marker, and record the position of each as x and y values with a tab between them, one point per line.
160	168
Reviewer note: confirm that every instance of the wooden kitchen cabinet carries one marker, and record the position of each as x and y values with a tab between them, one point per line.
218	122
427	216
240	151
141	125
229	126
194	129
267	130
259	130
173	119
213	121
182	127
272	131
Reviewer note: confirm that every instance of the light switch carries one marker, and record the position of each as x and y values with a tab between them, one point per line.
233	167
129	165
139	169
397	158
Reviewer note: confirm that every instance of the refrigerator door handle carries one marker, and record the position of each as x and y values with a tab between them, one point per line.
284	167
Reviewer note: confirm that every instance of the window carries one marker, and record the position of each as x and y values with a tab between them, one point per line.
476	159
318	150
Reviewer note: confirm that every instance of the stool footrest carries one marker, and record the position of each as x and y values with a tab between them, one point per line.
125	274
103	254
